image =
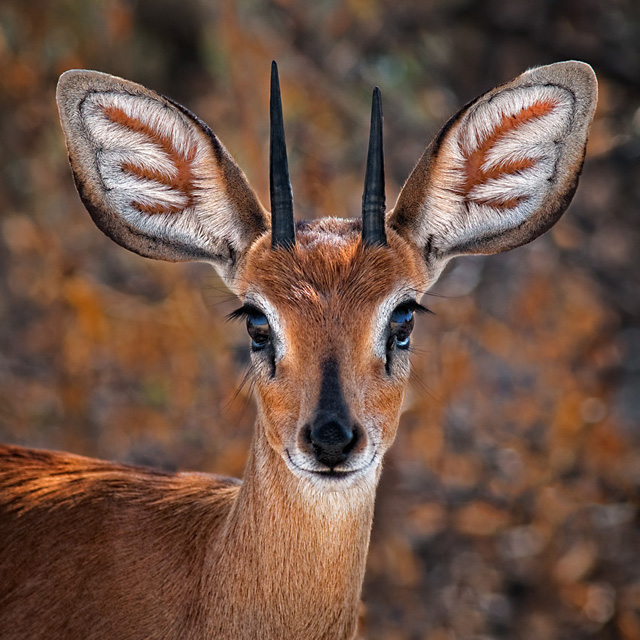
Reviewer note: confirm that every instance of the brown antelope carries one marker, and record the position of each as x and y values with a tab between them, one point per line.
92	549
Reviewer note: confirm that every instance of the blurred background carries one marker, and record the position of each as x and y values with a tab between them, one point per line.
509	504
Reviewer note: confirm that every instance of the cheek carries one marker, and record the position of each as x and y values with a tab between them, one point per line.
279	406
383	404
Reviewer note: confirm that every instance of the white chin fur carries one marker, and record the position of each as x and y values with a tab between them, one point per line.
363	475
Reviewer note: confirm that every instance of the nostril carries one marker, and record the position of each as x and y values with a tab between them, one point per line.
306	434
354	440
332	442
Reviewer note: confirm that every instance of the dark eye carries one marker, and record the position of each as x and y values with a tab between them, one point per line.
258	328
401	326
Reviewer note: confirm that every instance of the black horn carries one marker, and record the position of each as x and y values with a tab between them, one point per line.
282	226
373	198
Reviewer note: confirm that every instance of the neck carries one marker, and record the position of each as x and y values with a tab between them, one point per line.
293	558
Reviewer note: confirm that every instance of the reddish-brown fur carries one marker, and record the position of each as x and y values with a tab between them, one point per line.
126	540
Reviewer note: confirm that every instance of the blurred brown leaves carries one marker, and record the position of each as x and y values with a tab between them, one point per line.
509	504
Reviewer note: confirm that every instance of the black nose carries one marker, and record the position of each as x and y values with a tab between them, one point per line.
332	442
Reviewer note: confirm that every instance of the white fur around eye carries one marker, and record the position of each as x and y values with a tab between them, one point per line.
380	322
275	323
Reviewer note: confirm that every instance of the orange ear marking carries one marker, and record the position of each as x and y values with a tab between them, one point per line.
475	160
498	203
183	181
156	209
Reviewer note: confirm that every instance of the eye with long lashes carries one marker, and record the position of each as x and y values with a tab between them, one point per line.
401	324
257	325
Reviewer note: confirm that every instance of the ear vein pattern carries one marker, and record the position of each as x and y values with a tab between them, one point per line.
507	147
484	166
163	158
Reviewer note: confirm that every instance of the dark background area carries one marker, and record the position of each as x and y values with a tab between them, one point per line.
509	503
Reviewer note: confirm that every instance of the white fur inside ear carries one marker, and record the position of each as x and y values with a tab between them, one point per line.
498	163
156	168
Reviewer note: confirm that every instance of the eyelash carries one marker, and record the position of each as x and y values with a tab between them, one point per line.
244	312
416	307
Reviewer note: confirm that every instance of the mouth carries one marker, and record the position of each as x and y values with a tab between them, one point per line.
332	475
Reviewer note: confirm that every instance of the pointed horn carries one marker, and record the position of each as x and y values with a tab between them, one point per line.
282	227
373	198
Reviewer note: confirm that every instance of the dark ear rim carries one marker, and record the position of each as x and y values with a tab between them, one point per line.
579	80
73	88
143	244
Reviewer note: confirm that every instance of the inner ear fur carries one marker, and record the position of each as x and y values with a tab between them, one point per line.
503	170
153	176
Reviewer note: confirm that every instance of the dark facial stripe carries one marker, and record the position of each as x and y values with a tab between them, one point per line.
331	403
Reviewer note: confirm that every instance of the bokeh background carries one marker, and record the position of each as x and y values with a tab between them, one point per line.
509	504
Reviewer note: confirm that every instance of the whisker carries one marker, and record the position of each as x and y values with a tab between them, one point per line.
247	378
417	383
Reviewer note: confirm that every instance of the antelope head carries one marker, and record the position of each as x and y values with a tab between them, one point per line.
329	304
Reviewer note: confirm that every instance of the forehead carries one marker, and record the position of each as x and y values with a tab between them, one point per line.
329	266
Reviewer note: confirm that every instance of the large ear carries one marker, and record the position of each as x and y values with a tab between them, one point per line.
153	176
503	170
